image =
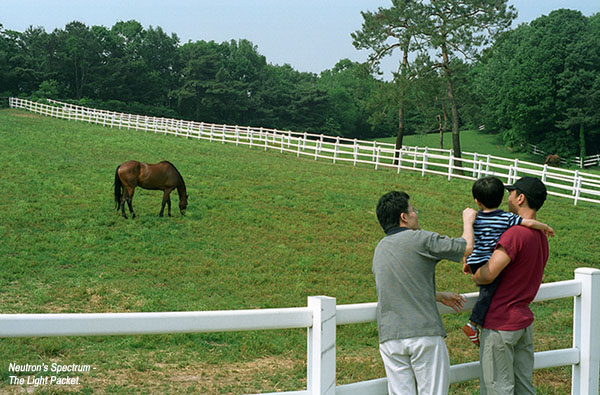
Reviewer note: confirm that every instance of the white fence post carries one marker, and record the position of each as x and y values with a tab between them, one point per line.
586	333
321	346
336	148
399	159
577	190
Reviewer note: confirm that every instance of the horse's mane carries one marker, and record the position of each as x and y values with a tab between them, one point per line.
178	173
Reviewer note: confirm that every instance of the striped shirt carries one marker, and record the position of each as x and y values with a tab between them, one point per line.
488	228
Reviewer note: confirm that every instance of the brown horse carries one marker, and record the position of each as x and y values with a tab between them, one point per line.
552	160
163	176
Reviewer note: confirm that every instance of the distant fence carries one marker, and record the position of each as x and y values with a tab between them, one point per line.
588	161
575	185
321	317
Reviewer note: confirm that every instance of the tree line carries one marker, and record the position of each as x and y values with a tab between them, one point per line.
459	67
133	69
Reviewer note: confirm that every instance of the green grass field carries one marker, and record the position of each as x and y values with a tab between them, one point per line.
263	229
470	141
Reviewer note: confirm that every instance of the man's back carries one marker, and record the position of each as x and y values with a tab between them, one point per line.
404	268
521	279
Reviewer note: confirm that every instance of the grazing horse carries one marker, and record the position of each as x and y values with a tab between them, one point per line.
163	176
552	160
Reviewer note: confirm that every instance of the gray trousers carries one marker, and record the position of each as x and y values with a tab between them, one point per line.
506	362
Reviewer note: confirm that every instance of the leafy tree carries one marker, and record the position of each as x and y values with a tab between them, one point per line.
47	89
460	28
201	63
239	80
455	28
28	58
292	100
159	53
579	91
538	84
78	57
9	82
430	101
385	31
351	88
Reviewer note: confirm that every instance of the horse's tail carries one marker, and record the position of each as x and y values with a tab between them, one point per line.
118	189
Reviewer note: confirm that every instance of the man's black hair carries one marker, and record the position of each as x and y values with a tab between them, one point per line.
532	202
489	191
389	208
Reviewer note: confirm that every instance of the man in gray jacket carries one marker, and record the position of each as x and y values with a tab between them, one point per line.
411	333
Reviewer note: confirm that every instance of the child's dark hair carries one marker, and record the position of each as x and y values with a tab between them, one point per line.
489	191
389	208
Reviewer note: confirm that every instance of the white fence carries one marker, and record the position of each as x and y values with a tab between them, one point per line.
575	185
321	317
588	161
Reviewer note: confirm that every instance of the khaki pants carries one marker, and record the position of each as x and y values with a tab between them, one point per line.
507	362
418	365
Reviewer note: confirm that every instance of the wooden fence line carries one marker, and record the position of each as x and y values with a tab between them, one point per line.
575	185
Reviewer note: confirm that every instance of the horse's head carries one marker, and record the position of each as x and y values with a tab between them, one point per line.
183	202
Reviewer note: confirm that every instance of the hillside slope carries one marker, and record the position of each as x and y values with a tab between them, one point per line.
262	230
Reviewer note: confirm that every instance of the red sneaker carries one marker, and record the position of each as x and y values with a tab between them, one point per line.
472	332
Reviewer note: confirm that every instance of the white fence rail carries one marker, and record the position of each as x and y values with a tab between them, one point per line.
587	161
575	185
321	317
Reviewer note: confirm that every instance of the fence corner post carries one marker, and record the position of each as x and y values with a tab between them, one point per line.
586	326
322	346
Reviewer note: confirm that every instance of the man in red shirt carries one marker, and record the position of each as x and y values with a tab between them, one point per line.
506	350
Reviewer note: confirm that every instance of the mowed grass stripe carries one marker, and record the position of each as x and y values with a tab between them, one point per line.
263	229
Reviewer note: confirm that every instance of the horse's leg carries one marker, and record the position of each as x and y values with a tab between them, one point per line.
129	199
169	203
122	203
166	200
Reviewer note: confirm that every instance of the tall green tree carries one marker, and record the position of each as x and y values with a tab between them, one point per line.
201	63
460	28
292	100
351	89
579	90
389	30
28	60
77	58
452	28
538	84
9	82
239	80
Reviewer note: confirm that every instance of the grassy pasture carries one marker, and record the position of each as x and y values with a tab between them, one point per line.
263	229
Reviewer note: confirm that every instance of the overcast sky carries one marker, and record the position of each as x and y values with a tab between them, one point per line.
310	35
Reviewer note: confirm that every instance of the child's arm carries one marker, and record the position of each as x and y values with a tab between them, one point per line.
466	267
532	223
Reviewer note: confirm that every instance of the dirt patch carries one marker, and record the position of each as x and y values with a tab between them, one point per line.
256	376
24	114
